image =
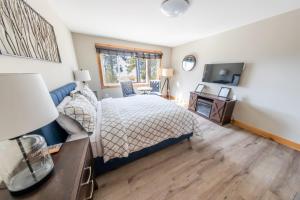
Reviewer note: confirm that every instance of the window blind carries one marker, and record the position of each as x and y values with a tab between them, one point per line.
128	52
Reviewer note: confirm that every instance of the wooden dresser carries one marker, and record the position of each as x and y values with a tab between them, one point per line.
217	109
71	179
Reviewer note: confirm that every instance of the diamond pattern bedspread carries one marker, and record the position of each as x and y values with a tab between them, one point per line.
133	123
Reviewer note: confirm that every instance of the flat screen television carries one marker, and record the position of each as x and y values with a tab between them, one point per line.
225	73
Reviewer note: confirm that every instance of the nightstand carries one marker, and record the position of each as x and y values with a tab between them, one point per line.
71	179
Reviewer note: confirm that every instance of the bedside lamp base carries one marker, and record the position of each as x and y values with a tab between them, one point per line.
24	181
33	166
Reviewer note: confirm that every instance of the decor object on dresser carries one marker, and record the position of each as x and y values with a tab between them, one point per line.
82	76
24	33
155	85
127	88
167	73
72	179
27	105
188	62
224	92
199	88
215	108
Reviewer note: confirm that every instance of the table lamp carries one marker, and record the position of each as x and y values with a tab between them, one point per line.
82	75
167	72
25	106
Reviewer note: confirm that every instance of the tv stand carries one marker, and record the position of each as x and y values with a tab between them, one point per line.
216	109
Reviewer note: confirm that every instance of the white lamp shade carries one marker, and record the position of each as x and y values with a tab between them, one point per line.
167	72
25	105
82	75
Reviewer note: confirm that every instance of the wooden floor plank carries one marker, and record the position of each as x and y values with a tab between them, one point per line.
222	163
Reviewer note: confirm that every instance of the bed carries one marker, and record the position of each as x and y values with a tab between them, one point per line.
128	128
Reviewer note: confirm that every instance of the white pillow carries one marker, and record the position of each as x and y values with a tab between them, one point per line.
62	104
89	94
81	110
69	125
79	136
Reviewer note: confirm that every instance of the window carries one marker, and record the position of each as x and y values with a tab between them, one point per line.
127	64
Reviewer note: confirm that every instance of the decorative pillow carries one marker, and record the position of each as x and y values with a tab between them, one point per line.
68	124
81	110
89	94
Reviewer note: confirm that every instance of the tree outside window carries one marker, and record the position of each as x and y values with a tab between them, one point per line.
118	68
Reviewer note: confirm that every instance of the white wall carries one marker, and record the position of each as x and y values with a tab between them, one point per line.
269	91
86	57
54	74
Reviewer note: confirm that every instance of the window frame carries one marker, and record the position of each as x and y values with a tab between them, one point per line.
100	68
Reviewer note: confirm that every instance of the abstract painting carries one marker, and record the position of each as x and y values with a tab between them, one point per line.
24	33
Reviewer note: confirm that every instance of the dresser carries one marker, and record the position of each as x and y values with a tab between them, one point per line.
216	109
71	179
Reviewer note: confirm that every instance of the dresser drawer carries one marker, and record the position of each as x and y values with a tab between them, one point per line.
87	184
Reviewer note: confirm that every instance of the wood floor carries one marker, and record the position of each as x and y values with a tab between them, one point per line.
226	163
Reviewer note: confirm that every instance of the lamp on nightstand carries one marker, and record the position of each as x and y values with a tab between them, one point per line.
82	76
25	106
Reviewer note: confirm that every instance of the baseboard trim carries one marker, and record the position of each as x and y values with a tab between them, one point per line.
266	134
170	97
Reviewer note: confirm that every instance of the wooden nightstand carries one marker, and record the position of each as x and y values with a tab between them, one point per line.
72	178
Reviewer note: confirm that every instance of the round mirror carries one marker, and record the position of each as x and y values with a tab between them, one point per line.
188	63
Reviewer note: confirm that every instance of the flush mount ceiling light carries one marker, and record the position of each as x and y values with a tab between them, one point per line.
174	8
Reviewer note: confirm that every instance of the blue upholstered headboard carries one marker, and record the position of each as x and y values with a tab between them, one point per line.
52	132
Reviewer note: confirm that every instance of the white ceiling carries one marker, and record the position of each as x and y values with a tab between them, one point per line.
142	21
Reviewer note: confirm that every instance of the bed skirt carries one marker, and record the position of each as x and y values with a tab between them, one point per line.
101	167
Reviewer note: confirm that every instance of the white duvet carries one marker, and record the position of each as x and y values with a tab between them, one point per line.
126	125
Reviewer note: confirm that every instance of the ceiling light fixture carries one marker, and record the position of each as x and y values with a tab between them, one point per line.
174	8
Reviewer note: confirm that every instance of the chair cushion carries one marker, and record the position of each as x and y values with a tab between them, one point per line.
155	84
127	88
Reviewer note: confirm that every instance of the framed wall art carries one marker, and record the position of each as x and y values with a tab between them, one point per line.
24	33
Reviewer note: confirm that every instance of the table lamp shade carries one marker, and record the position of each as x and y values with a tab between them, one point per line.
25	105
167	72
82	75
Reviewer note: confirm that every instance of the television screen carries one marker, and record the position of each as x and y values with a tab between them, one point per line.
226	73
